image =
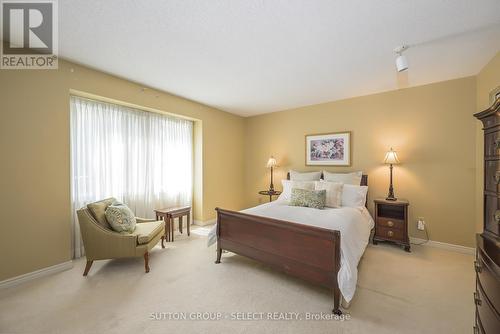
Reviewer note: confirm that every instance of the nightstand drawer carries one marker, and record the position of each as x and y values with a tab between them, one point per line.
391	223
390	233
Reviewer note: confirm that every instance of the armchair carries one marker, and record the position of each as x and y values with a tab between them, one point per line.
101	242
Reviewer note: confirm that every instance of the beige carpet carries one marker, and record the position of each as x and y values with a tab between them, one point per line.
426	291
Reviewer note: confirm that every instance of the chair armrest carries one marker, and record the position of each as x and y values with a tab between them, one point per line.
144	220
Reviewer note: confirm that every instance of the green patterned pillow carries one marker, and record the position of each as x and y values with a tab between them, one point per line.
121	218
308	198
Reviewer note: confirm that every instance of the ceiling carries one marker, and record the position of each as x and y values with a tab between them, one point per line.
255	56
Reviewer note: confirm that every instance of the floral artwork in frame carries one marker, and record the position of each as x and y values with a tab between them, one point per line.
329	149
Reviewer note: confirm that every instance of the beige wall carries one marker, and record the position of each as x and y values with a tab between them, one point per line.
430	126
487	80
35	161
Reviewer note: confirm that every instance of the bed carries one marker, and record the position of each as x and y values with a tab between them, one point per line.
302	242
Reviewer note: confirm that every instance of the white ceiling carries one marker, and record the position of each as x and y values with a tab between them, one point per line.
256	56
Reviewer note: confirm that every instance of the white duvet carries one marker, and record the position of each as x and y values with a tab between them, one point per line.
354	225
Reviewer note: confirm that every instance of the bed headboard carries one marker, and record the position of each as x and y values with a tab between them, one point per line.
364	182
364	178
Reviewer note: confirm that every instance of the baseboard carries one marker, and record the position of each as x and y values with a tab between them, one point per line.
444	245
36	274
204	223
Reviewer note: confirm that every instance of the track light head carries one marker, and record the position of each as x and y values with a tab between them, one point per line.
401	61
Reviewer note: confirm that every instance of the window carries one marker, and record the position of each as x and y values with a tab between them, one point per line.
141	158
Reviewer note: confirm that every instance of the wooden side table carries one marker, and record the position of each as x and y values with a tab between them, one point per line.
391	222
169	214
270	193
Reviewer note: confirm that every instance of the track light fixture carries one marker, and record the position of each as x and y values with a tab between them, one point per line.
401	61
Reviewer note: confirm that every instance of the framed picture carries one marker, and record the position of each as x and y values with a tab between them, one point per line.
328	149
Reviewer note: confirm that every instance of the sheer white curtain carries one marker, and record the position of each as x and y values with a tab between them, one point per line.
143	159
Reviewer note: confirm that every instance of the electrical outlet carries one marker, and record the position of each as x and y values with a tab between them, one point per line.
421	224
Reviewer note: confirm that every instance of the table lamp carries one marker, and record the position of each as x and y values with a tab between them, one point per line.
391	158
271	163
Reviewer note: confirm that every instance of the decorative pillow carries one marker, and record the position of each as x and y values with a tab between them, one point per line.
346	178
121	218
333	192
98	210
306	176
308	198
354	196
288	185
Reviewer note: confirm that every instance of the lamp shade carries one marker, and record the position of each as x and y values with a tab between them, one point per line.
401	63
391	157
271	162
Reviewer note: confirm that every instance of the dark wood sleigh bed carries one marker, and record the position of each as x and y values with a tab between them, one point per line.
307	252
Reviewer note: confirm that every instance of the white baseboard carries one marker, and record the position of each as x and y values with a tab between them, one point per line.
204	223
36	274
444	245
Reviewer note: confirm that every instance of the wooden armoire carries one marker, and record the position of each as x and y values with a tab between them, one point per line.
487	264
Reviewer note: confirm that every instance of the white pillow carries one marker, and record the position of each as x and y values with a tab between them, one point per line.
306	176
346	178
354	196
333	192
286	194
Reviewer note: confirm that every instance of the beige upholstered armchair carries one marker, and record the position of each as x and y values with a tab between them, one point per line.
101	242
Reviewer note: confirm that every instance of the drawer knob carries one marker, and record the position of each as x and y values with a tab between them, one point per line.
496	216
496	143
390	233
477	267
477	300
390	223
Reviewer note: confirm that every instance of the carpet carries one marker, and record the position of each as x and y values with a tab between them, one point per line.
426	291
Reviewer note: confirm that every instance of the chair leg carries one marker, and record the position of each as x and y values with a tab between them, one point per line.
87	267
146	262
163	241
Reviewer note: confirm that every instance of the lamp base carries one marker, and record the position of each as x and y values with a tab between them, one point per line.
390	195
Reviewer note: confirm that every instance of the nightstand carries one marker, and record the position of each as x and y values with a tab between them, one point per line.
391	222
270	193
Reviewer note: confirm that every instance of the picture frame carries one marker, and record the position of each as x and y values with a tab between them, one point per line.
328	149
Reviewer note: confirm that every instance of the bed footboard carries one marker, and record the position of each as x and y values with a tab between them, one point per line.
307	252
